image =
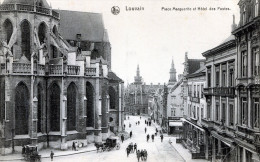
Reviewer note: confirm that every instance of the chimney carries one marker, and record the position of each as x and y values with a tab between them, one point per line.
202	64
234	25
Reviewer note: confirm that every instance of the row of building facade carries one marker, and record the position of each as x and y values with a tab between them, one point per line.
56	81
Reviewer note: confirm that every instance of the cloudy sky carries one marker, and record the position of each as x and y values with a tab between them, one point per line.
151	38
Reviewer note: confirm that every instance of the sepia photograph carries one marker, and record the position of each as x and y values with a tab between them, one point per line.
130	80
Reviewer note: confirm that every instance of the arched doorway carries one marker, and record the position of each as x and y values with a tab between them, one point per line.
39	107
42	32
71	107
112	98
90	105
26	39
21	109
55	107
8	30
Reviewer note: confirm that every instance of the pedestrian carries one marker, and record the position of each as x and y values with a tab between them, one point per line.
124	126
128	117
145	121
145	154
145	129
156	130
138	154
153	137
122	138
140	117
127	151
129	125
150	123
131	134
138	122
142	155
148	137
135	147
155	134
135	123
161	137
51	155
73	145
23	150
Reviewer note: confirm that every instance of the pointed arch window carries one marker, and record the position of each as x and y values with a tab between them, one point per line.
8	30
21	109
71	107
39	107
112	97
26	39
55	107
42	33
90	105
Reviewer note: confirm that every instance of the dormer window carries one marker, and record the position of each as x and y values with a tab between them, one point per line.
256	8
244	15
78	36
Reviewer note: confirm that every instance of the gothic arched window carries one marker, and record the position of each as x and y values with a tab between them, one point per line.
21	109
8	30
40	107
26	39
71	107
42	32
55	107
90	105
112	98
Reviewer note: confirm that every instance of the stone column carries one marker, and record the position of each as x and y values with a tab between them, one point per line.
63	117
34	118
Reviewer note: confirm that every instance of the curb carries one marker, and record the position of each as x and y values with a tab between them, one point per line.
177	152
45	157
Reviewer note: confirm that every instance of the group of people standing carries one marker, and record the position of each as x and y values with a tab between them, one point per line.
133	149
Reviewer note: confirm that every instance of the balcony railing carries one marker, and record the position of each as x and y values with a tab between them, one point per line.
208	91
90	71
195	99
29	8
73	70
7	7
207	123
55	69
21	7
21	68
40	69
224	91
43	10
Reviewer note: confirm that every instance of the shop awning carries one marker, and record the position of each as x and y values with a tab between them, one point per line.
225	140
201	129
175	124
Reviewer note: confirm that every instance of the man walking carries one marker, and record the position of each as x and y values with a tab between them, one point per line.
127	151
147	137
135	147
145	129
138	154
131	134
52	154
153	137
161	137
122	138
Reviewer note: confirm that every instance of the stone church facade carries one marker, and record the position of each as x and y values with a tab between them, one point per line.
55	78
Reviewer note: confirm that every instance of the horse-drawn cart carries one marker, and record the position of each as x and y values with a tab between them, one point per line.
111	142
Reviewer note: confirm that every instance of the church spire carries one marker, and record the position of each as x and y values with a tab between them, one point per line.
172	74
138	78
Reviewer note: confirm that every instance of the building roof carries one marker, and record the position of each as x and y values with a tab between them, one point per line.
228	43
27	2
194	64
89	25
113	76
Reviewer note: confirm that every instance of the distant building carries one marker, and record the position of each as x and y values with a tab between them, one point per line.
137	95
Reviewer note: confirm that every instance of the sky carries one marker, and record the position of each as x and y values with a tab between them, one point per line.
153	37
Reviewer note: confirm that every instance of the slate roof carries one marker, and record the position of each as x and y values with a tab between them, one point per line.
89	25
194	65
28	2
113	76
